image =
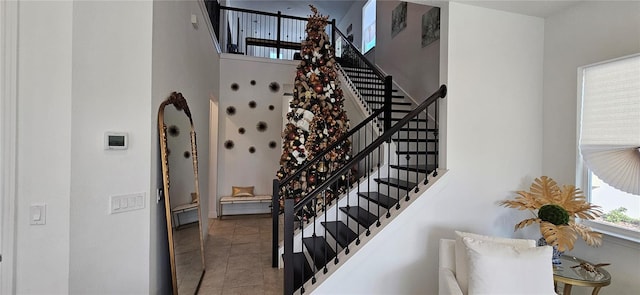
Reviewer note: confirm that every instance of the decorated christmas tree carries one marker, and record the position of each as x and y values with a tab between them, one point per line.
316	120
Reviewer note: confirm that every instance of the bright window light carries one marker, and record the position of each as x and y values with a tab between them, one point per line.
368	25
609	106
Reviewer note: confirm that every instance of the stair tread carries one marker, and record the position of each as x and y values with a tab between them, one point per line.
319	250
413	167
393	103
301	270
415	139
375	89
340	231
379	198
418	129
419	153
399	183
357	69
360	215
379	94
420	120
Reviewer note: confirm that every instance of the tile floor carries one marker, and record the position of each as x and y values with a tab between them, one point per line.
238	257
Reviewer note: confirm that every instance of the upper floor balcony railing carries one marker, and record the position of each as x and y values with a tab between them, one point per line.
257	33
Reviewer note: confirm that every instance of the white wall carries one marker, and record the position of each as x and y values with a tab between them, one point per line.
491	152
353	17
588	32
111	92
44	146
238	167
413	67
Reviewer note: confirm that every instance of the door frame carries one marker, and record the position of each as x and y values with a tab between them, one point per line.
8	141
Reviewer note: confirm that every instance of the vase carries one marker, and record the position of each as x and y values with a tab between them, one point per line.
555	257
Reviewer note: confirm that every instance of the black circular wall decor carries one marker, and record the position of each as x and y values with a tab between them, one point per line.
253	82
235	87
261	126
241	130
187	154
231	110
252	104
252	150
274	86
228	144
271	107
174	130
273	144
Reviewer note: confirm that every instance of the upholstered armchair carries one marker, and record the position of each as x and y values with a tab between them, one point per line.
476	264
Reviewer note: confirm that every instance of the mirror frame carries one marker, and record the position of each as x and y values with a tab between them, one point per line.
180	103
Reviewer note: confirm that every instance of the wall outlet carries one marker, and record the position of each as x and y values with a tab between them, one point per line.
125	203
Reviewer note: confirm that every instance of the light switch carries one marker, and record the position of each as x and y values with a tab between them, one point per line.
38	214
126	203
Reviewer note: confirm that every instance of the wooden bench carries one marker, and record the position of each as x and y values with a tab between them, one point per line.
242	200
175	212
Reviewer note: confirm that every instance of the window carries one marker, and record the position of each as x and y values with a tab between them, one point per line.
609	127
368	25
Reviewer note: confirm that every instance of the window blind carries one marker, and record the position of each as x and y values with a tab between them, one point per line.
610	122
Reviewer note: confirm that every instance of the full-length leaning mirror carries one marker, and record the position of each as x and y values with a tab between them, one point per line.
182	197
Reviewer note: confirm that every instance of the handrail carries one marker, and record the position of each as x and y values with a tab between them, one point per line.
262	12
386	136
373	67
331	147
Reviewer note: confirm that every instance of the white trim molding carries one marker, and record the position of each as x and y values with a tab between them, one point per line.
8	141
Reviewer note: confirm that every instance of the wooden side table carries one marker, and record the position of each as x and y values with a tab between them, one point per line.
570	277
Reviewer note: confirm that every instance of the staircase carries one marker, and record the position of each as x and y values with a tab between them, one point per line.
394	158
399	165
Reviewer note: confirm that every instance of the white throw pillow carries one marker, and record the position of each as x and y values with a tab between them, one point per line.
503	269
461	253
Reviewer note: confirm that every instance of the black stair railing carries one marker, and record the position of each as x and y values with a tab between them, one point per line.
376	92
321	238
359	137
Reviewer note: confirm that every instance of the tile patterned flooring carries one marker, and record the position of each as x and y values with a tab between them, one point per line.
238	257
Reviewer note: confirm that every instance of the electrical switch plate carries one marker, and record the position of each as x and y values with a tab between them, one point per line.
124	203
38	214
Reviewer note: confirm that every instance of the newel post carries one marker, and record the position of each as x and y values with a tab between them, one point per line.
388	85
275	212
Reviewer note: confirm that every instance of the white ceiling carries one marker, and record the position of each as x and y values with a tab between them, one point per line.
533	8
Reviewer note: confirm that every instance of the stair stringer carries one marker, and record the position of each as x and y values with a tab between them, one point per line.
423	189
353	92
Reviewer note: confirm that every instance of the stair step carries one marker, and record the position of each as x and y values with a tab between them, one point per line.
357	69
402	184
393	103
319	250
418	129
360	215
341	232
301	270
416	168
374	89
419	120
414	153
380	199
366	80
381	94
415	139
